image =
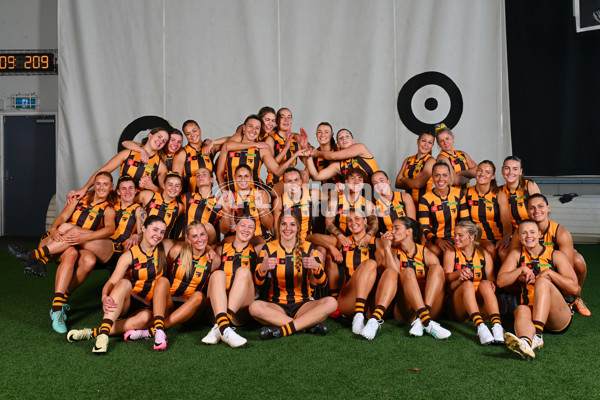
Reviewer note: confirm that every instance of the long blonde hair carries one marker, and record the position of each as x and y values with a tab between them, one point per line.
473	230
187	253
298	247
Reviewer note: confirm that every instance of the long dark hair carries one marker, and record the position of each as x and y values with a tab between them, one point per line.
417	229
162	259
332	143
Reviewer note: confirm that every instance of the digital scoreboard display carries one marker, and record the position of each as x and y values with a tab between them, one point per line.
28	62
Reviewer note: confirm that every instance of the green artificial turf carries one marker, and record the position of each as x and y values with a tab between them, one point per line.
38	363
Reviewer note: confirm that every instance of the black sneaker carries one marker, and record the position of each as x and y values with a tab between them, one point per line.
269	332
19	254
36	269
318	329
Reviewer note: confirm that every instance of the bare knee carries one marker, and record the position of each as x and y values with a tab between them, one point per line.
242	273
522	311
196	299
486	287
256	308
329	303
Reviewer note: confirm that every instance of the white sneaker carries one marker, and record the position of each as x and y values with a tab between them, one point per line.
498	333
416	328
485	336
537	342
358	323
519	346
436	330
214	336
101	344
371	328
75	335
233	339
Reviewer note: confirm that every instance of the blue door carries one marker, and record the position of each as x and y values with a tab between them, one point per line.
29	173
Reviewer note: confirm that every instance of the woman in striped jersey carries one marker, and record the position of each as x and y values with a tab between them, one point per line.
421	290
130	288
348	156
545	276
231	288
488	208
470	281
440	209
461	163
73	241
290	262
181	294
144	173
415	174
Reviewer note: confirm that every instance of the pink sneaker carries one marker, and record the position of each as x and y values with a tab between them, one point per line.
137	334
160	340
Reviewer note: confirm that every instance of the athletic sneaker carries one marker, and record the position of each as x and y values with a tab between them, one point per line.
137	334
19	254
65	308
416	329
498	333
318	329
358	323
101	344
160	340
537	342
580	307
76	335
519	346
485	336
436	330
36	269
371	328
232	338
269	332
58	321
214	335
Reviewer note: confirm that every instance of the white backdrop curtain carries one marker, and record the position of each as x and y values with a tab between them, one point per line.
342	61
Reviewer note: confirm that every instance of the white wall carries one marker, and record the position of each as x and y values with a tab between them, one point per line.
29	24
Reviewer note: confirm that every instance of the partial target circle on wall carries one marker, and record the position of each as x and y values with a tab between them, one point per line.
142	124
428	99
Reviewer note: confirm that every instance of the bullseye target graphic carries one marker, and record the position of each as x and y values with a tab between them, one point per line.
428	99
141	124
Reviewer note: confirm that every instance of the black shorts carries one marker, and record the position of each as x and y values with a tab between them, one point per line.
291	309
561	331
136	304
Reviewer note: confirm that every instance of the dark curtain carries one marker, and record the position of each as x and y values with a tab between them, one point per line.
554	87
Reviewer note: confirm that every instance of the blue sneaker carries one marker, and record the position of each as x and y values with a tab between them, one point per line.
65	308
58	319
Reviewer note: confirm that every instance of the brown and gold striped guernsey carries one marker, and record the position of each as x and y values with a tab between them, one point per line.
289	286
143	272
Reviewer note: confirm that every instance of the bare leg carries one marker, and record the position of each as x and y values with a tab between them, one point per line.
187	310
85	266
241	295
64	273
359	286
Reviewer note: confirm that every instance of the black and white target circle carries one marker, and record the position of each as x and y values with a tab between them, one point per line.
146	122
428	99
